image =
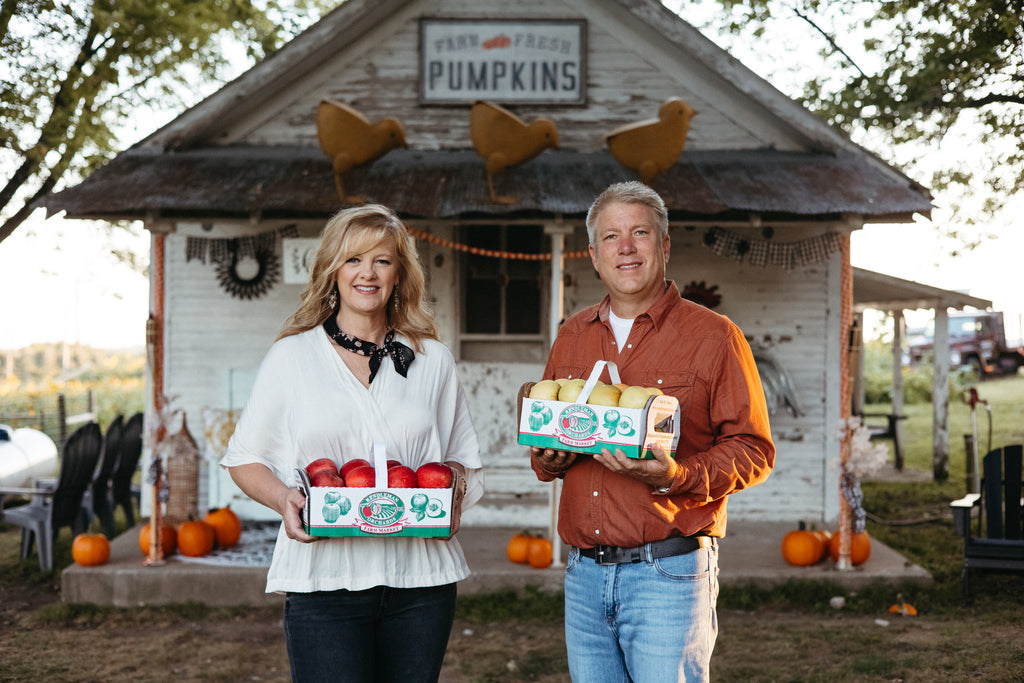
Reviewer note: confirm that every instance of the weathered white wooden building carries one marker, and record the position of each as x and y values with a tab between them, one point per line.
762	201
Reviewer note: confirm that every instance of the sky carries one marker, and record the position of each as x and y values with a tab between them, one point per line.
58	283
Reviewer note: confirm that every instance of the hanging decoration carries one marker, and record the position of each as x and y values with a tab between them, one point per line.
504	140
761	252
491	253
349	140
702	294
652	146
248	266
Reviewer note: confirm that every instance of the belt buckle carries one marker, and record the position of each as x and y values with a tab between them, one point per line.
599	553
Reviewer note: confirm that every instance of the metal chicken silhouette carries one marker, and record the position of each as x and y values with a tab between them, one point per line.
504	140
652	146
349	140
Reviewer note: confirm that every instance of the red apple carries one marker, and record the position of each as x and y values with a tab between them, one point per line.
401	477
434	475
326	478
363	476
393	463
352	464
321	464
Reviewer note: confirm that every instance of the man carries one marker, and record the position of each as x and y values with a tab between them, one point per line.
642	577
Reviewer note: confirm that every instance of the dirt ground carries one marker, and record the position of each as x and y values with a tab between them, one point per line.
42	639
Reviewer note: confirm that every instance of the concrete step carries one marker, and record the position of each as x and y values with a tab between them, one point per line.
750	553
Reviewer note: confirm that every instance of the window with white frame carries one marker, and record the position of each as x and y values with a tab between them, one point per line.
503	301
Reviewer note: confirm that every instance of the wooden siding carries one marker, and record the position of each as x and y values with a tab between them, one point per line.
630	71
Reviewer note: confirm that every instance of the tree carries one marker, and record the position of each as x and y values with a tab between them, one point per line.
914	72
73	71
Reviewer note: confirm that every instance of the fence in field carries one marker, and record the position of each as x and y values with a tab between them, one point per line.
52	417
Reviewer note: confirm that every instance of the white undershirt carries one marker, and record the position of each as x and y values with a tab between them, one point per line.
621	328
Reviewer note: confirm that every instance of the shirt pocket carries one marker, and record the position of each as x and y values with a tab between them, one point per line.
678	383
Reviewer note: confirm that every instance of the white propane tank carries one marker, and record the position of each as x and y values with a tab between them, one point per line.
26	455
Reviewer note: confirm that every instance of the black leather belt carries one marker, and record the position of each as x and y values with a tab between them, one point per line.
676	545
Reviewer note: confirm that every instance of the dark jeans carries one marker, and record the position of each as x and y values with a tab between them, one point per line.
379	635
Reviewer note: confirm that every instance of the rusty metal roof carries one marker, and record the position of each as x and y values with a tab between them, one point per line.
298	182
887	293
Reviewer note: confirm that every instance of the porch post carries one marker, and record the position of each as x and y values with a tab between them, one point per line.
940	395
557	230
897	380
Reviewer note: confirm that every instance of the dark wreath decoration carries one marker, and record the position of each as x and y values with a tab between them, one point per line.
269	268
702	294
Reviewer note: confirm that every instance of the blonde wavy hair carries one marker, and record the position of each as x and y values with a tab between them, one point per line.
354	231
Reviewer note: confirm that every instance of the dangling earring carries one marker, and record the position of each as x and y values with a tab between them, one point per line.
394	299
332	300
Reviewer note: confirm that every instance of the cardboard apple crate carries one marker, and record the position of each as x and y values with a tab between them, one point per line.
586	428
377	511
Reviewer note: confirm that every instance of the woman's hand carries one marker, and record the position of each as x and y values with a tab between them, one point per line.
459	492
260	484
291	512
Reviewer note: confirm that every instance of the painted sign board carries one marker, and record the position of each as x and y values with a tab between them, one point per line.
509	61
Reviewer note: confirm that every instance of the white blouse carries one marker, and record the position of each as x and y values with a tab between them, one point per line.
306	404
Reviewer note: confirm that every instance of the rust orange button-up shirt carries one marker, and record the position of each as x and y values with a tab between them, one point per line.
725	444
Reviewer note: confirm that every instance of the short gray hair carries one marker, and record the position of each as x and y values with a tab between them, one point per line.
629	192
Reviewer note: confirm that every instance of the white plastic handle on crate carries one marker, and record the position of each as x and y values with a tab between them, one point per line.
380	465
595	374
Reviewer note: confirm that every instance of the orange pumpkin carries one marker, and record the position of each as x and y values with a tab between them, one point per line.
518	549
168	539
540	553
89	550
196	538
226	526
801	547
860	547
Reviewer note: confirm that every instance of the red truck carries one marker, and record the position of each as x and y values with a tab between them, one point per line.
976	339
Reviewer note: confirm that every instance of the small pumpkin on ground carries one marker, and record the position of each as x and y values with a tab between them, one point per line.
860	547
518	549
801	547
196	538
168	539
226	526
540	553
90	550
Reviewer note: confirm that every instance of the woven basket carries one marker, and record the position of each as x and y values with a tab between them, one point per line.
181	464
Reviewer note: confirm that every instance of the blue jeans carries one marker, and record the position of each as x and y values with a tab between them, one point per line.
377	635
653	621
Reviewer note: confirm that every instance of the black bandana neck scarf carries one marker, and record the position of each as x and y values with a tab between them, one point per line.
401	355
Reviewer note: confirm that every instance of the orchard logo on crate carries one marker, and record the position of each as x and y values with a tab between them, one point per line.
381	512
577	426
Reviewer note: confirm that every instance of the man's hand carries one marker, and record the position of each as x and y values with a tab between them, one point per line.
658	473
550	460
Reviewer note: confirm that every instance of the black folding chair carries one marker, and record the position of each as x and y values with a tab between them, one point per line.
51	508
102	487
127	462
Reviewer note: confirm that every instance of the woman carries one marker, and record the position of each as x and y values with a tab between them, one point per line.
359	363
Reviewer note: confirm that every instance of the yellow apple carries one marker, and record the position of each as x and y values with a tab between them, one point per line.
604	395
634	397
561	381
546	389
570	390
621	386
654	391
